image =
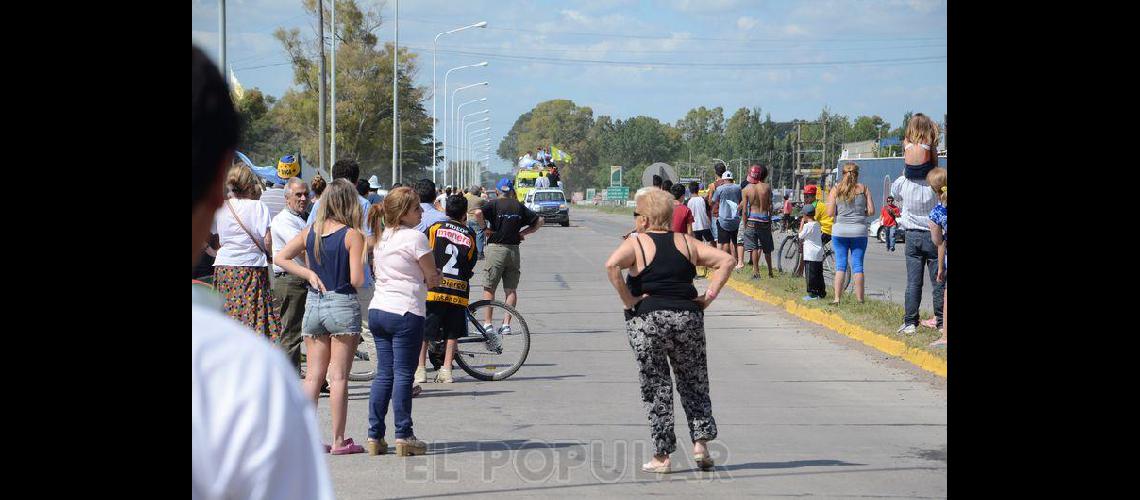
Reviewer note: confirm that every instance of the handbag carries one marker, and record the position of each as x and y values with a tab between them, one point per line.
256	242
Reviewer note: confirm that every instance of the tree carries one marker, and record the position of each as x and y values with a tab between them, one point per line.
868	128
261	140
558	123
364	95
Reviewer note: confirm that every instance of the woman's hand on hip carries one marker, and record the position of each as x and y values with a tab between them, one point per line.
636	300
315	282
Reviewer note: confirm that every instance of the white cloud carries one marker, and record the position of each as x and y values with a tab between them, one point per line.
746	23
794	29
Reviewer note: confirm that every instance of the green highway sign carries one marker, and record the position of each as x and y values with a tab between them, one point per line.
617	193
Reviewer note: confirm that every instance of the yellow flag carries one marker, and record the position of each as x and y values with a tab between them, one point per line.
560	155
235	86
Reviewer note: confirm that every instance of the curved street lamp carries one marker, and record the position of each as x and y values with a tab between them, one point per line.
445	75
481	24
462	138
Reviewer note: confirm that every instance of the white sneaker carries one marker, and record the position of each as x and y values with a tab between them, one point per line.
444	376
421	375
505	330
487	327
906	329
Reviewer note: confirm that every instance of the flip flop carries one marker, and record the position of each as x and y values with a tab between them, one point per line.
348	448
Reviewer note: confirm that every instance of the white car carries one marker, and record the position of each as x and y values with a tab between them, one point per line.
876	230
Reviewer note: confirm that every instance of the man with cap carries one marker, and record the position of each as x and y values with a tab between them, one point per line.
506	217
757	203
373	188
727	197
274	198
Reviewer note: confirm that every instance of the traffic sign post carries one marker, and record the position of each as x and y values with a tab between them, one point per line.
615	175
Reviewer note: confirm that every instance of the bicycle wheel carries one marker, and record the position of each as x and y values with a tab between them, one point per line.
788	257
829	269
364	361
477	353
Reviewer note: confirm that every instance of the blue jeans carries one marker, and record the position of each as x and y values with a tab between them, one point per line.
480	236
856	246
891	230
921	253
398	341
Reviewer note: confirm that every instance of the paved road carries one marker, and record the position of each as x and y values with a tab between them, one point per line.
801	411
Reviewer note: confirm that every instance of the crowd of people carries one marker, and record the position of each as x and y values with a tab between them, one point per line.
308	263
737	219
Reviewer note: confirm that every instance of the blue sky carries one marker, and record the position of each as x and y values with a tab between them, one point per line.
625	58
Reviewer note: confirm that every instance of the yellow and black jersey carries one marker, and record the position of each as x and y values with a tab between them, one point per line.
453	245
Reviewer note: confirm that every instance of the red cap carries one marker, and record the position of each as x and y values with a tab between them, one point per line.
754	173
810	189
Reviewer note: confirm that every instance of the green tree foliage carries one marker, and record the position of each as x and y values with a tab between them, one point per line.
261	139
558	122
364	95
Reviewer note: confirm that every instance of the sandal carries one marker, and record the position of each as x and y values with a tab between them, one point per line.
704	461
377	447
660	469
410	447
348	448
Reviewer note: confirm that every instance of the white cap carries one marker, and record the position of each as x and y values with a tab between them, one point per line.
727	175
374	182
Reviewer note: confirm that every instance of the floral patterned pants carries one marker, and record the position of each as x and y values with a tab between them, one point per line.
659	338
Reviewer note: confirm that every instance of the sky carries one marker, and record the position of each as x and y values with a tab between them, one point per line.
625	58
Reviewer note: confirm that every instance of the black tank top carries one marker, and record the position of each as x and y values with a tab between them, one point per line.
668	279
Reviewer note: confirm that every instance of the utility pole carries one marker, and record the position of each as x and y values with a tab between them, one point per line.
395	93
332	128
321	90
222	36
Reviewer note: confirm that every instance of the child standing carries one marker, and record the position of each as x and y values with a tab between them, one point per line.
812	237
937	180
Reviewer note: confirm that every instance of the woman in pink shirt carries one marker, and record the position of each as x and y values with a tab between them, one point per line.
405	270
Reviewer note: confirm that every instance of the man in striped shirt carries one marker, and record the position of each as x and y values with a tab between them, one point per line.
917	199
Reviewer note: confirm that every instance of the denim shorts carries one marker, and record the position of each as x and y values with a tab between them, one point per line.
331	313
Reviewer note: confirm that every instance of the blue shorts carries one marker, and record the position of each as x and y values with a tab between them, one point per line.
331	313
856	245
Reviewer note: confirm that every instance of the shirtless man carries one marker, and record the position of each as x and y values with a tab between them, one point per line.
757	204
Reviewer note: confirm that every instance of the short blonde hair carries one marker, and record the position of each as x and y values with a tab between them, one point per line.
656	205
242	181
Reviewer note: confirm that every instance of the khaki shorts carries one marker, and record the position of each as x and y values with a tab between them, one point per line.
503	263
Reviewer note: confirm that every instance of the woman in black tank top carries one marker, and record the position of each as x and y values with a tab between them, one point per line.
665	322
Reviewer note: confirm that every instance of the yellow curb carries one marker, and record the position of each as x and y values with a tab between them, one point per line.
918	357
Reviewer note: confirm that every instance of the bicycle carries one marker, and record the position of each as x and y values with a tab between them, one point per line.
791	260
488	355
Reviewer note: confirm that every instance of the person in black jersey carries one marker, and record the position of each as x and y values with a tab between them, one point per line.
453	244
665	322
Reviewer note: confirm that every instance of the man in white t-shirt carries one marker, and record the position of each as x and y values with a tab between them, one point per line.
253	434
700	209
289	291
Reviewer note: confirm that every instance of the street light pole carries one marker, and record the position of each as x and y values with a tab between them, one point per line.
458	110
332	109
470	153
456	113
222	36
486	118
321	89
434	148
445	112
395	92
461	138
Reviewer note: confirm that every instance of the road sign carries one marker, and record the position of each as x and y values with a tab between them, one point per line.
617	193
591	193
615	175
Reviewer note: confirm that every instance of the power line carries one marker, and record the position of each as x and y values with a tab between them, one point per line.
739	65
711	39
704	51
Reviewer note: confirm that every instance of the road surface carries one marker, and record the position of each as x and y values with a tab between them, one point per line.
801	411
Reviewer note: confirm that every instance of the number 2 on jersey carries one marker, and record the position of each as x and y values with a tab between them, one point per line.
450	268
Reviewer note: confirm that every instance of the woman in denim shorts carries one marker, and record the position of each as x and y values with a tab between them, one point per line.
334	250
